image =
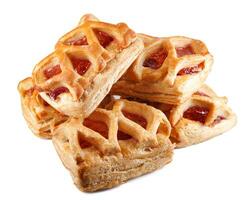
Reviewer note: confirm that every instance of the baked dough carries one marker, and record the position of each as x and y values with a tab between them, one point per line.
39	115
106	145
188	130
99	159
169	70
85	64
203	116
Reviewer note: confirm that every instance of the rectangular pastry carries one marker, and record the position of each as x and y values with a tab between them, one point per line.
203	116
39	115
169	70
86	63
112	146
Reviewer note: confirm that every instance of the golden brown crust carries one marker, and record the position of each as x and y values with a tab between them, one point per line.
111	161
164	84
78	98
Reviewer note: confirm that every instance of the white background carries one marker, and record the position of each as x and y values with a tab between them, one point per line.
30	167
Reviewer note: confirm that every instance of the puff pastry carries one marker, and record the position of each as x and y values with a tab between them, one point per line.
102	140
39	115
169	70
112	146
203	116
87	61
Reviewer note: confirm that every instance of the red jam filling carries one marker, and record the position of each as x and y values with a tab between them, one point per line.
45	103
196	113
191	70
30	91
56	92
104	38
78	42
182	51
218	120
201	94
155	60
80	65
136	118
123	136
82	143
97	126
52	71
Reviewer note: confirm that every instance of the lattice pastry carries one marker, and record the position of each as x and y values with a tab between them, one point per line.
87	61
169	70
112	146
40	116
203	116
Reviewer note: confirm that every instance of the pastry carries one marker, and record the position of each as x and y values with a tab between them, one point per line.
112	146
203	116
39	115
105	136
169	70
87	61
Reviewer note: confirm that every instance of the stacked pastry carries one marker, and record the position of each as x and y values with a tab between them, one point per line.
170	74
116	103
